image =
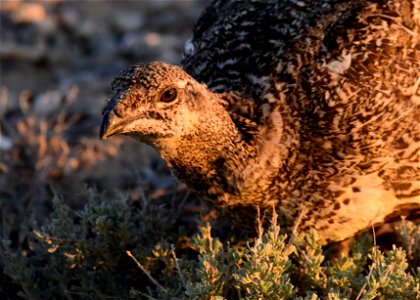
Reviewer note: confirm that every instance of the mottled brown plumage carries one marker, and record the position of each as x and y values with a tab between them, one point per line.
308	106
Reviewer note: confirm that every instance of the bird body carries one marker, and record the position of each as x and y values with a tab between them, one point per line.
311	107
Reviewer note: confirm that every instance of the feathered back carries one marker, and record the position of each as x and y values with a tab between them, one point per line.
243	46
269	50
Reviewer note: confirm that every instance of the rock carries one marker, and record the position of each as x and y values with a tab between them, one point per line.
29	13
5	143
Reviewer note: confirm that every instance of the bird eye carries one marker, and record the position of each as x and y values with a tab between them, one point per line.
169	95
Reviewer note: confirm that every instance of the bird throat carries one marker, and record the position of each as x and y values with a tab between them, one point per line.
210	162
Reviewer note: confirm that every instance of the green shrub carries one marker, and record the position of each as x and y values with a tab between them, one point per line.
117	249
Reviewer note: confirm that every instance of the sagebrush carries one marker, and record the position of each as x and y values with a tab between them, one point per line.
124	250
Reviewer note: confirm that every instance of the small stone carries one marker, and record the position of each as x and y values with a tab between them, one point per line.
152	39
128	21
30	13
5	143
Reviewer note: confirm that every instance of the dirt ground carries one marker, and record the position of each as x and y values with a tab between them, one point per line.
57	60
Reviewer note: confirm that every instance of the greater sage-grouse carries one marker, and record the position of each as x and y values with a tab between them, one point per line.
311	107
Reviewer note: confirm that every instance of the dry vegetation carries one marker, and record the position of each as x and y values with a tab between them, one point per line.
84	219
57	62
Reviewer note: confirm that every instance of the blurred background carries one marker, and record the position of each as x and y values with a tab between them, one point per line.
57	60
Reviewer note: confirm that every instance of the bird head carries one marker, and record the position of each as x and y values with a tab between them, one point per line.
154	101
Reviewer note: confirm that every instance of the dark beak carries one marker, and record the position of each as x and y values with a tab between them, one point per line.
111	124
103	132
112	121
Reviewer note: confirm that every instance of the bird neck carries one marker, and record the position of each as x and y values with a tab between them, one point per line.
213	156
228	158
